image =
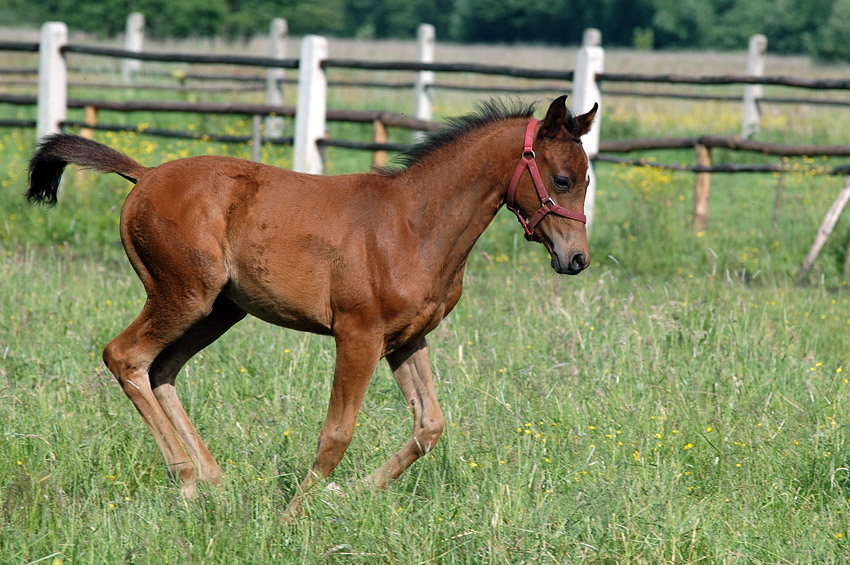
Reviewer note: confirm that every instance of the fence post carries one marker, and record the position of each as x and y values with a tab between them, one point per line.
311	106
52	79
591	37
753	92
90	118
134	38
825	229
379	135
702	189
274	76
425	38
590	61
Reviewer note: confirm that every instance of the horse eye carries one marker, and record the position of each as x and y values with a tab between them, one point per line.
561	183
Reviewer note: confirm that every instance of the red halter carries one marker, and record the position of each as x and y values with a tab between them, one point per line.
548	205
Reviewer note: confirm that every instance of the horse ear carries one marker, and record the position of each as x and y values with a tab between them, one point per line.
555	116
583	122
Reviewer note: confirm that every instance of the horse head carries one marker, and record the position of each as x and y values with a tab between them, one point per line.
556	188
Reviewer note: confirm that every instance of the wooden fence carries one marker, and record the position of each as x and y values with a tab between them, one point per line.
311	112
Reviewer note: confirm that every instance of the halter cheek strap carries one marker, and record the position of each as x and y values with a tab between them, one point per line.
548	205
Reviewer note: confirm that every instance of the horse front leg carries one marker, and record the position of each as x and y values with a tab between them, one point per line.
357	355
412	371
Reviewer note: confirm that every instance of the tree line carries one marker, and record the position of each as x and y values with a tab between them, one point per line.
815	27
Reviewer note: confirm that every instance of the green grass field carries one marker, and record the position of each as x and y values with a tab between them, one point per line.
679	402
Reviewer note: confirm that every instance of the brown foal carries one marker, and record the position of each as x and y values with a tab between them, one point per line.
375	260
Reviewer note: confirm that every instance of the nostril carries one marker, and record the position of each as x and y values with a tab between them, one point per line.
577	262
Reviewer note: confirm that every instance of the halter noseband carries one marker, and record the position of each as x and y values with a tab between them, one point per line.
548	206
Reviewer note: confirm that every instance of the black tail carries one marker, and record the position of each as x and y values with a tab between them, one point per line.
57	150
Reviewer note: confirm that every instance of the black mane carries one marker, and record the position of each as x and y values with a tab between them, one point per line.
486	112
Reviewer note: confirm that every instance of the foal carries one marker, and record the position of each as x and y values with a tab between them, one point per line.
375	260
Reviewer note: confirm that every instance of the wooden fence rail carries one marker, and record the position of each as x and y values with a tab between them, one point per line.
795	82
181	57
258	82
23	46
474	68
724	167
726	142
170	133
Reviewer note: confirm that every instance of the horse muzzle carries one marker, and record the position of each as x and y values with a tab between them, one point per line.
570	264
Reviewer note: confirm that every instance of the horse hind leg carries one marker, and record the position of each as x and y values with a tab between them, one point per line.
129	357
412	371
163	374
171	324
180	261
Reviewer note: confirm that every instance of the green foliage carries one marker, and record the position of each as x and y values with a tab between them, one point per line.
643	39
393	18
495	21
792	26
833	42
683	24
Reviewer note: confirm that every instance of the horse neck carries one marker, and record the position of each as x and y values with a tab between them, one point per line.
457	191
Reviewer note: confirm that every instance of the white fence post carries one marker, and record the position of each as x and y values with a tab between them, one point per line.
753	92
311	107
425	38
591	37
590	61
134	39
274	76
52	79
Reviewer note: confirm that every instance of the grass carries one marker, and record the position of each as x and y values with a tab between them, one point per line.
700	419
681	401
